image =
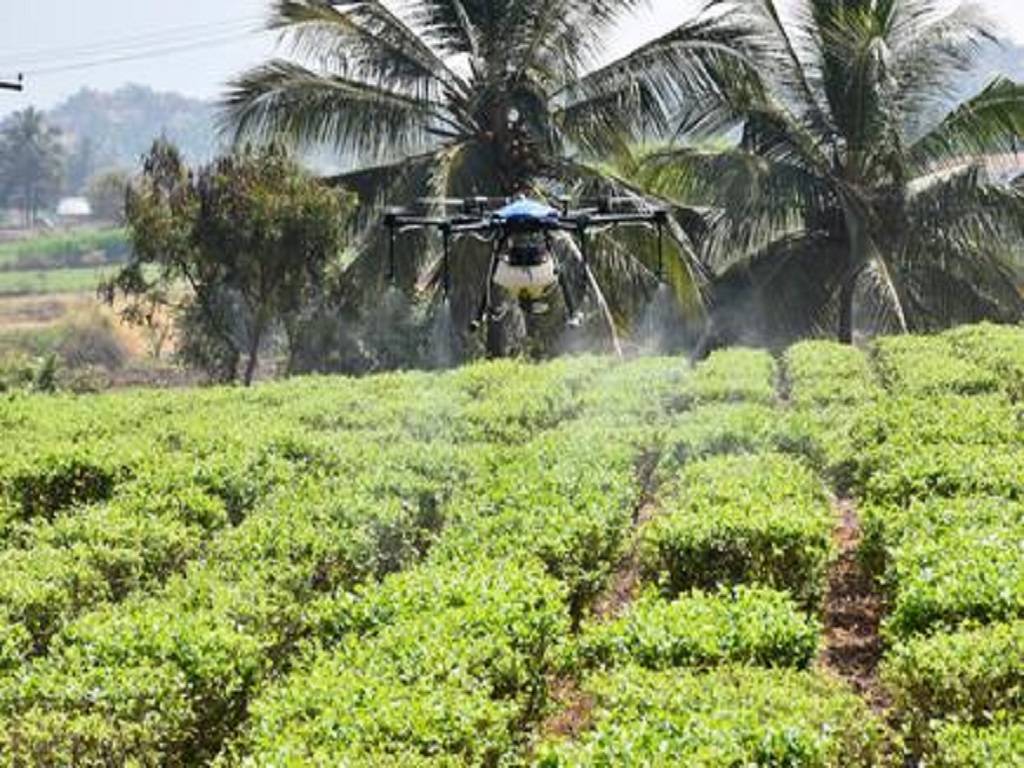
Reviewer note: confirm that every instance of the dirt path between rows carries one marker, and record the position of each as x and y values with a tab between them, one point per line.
853	612
572	706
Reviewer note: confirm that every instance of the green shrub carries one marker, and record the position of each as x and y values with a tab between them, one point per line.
103	553
897	474
971	676
995	348
62	480
509	401
926	365
566	498
964	746
886	527
711	430
167	684
729	716
945	561
750	625
733	375
726	520
639	391
457	659
822	373
913	422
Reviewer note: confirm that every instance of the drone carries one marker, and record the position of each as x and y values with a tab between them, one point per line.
521	232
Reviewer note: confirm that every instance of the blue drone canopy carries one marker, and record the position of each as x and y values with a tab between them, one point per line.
526	211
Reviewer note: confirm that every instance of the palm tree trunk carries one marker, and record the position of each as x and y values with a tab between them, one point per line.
846	293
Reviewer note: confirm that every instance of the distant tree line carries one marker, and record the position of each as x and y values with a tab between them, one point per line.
35	167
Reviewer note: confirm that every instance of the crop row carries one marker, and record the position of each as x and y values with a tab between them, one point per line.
166	674
940	471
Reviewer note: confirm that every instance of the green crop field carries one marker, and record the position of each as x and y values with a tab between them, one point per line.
49	281
72	249
582	562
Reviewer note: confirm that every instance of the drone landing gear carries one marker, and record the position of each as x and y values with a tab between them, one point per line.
574	318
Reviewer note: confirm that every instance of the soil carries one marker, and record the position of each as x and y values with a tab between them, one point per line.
573	710
853	612
624	584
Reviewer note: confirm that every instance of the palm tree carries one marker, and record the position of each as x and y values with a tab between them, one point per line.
852	188
31	162
471	97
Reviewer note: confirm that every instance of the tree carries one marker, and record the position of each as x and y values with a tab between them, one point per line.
81	165
106	193
466	97
31	162
853	188
250	236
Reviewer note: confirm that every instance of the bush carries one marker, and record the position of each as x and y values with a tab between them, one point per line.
733	375
61	480
748	625
758	519
456	658
970	676
973	573
92	340
566	498
729	716
103	553
927	365
912	422
822	373
897	474
995	348
964	746
886	527
711	430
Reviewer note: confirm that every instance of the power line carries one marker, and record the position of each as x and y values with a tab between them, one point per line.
150	53
171	35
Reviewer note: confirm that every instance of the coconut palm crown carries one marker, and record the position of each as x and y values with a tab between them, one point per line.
474	97
851	183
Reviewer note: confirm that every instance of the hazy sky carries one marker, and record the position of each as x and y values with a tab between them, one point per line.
192	46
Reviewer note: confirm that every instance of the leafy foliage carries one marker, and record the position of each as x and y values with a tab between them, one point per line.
734	375
961	746
747	625
251	236
971	676
920	365
730	716
760	519
846	187
823	373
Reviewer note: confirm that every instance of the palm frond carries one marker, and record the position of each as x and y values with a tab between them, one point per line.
786	291
285	100
651	87
933	49
990	123
366	40
453	20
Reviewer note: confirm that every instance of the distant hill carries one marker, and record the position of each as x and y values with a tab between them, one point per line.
113	130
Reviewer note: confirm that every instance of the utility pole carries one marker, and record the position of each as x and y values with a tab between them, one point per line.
13	85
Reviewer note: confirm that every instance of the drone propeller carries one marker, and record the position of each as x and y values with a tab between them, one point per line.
447	202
